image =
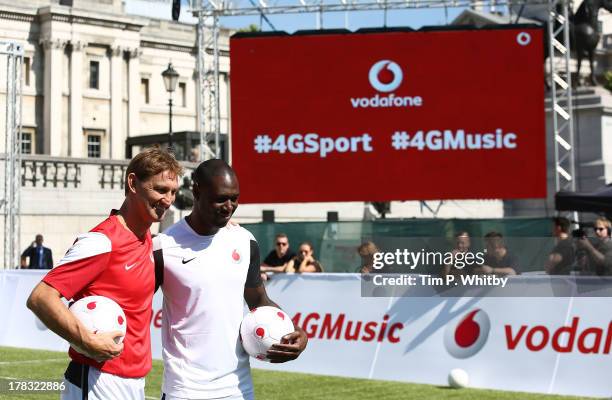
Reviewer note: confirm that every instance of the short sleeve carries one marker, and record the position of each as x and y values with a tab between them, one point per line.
81	265
253	278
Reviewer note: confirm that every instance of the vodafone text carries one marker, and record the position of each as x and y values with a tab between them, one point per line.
312	143
386	101
435	140
588	340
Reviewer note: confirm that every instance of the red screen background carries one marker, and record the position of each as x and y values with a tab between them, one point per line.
475	80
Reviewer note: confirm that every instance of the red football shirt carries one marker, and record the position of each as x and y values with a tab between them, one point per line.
111	261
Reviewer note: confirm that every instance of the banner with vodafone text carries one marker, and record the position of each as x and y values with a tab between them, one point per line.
546	344
394	115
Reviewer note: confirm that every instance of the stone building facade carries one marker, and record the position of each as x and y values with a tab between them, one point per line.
92	76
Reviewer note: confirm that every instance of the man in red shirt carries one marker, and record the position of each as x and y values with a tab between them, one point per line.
113	260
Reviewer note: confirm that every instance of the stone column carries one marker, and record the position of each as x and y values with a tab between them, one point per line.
76	100
117	136
52	136
134	93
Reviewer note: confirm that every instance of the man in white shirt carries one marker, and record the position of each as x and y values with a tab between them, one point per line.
209	271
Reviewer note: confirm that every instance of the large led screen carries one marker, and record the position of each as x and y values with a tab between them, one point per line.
395	115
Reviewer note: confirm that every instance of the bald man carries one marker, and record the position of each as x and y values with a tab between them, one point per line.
207	271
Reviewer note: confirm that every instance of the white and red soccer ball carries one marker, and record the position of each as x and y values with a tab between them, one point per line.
99	314
261	328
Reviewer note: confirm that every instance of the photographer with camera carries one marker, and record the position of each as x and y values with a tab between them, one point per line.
597	252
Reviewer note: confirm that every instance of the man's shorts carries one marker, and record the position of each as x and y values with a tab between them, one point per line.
84	382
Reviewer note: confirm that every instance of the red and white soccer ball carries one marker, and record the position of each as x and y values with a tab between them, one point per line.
261	328
99	314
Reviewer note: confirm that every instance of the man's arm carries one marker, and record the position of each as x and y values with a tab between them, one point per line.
501	271
553	260
257	297
267	268
24	256
291	345
595	254
45	302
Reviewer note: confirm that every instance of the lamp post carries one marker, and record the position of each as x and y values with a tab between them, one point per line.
170	79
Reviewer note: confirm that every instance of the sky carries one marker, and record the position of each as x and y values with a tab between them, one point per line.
414	18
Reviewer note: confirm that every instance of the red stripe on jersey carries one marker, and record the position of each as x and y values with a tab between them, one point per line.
126	275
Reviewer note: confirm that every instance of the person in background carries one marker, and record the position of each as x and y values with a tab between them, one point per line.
462	245
598	252
561	258
304	261
498	260
366	251
277	259
39	255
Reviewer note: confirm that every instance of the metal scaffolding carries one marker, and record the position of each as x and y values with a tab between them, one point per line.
559	60
10	203
209	118
265	7
561	95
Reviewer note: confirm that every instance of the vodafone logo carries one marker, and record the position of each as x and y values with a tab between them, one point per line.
523	38
466	336
236	258
385	76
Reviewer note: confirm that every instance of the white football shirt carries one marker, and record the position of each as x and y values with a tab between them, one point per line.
204	279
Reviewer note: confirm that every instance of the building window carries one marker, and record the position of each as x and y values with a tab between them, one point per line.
182	92
26	142
144	90
94	75
94	146
26	70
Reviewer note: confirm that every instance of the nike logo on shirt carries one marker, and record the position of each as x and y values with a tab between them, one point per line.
129	267
186	261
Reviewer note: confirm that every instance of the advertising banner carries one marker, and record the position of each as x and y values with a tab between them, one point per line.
380	116
556	345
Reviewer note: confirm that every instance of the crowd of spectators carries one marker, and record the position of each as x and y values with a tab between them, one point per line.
574	252
497	259
583	251
579	251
